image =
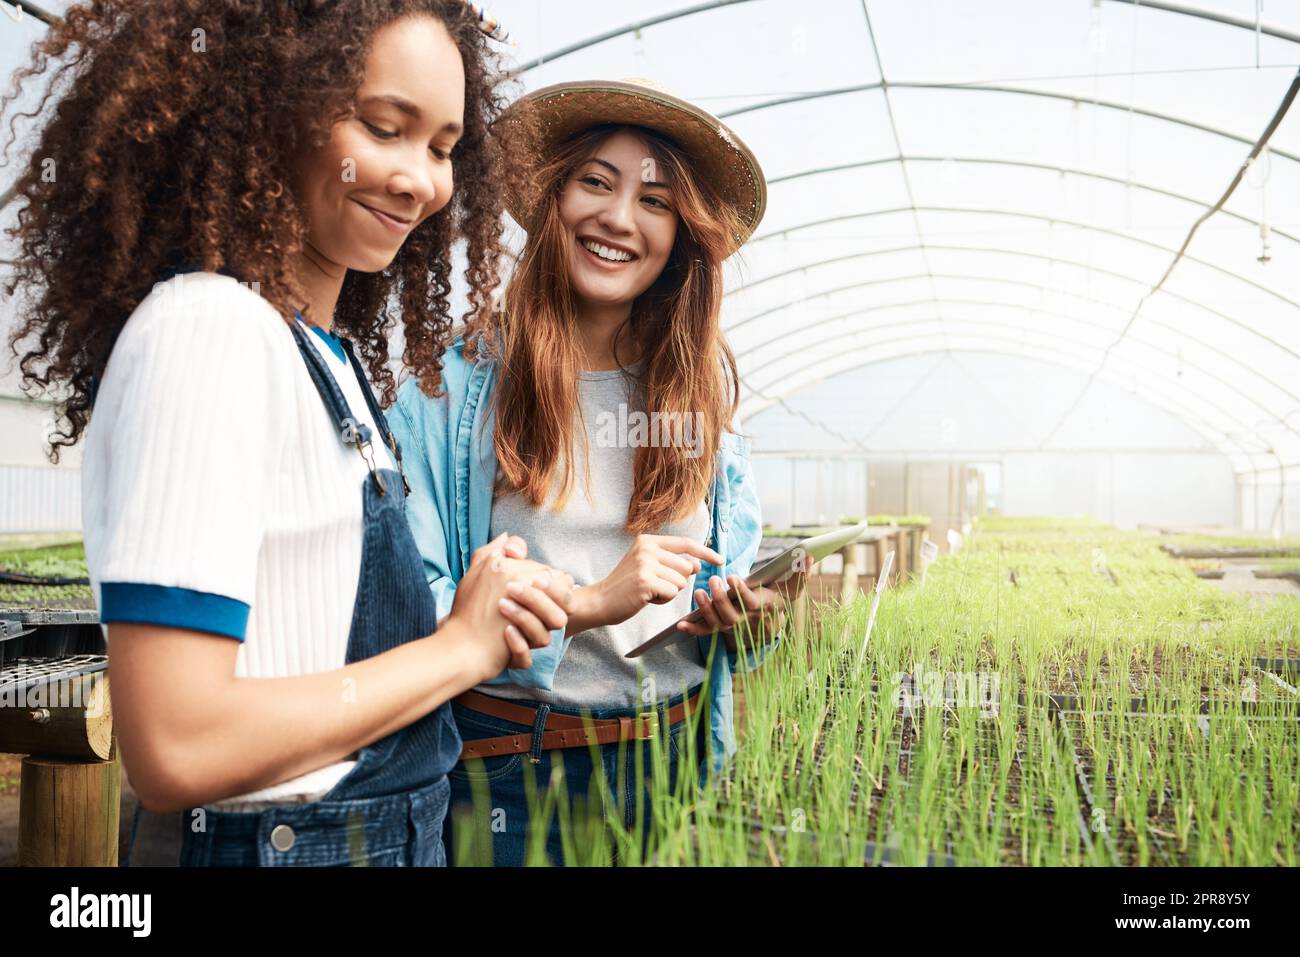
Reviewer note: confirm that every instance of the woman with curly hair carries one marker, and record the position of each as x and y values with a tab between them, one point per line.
240	190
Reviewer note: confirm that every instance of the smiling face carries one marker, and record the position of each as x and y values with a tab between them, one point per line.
619	220
387	168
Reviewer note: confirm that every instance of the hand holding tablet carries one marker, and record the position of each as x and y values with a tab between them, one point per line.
796	559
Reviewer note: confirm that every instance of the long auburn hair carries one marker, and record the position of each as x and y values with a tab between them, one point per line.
674	327
166	155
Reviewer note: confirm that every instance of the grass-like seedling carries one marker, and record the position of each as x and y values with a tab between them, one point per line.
1100	706
56	562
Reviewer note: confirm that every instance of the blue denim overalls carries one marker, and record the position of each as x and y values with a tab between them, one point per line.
390	807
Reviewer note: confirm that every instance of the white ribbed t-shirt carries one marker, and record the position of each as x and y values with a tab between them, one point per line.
213	478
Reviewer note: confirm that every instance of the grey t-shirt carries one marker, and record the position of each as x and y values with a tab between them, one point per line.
588	539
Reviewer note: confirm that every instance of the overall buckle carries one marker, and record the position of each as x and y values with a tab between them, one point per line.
368	457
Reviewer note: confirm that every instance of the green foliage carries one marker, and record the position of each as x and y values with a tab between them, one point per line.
1188	752
886	519
55	561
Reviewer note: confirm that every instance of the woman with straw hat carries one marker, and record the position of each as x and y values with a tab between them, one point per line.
592	415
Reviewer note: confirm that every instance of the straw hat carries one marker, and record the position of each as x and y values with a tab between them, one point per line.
565	109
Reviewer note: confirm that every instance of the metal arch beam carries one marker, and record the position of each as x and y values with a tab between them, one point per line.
623	30
862	311
1004	304
1174	390
916	247
887	306
1273	382
1220	438
813	453
1009	282
1178	8
1004	252
1036	287
1162	5
36	10
1224	442
1038	217
1173	393
1021	164
1046	94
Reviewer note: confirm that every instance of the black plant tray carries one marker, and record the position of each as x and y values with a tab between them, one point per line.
1220	551
1073	704
876	854
899	769
1164	849
1054	701
1285	667
1064	701
1290	576
916	703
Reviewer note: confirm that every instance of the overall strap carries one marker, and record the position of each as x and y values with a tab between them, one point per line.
381	422
351	431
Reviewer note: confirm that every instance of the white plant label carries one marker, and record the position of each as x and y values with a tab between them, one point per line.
929	552
881	584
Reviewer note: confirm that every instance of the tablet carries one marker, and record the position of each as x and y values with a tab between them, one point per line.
799	556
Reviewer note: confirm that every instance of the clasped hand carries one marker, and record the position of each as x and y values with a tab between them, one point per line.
510	604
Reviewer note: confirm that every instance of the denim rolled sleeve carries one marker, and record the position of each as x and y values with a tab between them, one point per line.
745	533
409	419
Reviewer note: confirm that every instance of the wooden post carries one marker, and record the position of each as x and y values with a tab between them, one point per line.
900	553
879	543
69	812
849	574
69	798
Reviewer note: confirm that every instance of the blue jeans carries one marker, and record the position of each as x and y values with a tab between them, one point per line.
497	826
397	830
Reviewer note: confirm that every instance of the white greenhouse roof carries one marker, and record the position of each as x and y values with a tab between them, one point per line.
1011	176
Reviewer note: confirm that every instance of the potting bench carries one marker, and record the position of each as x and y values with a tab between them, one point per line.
55	709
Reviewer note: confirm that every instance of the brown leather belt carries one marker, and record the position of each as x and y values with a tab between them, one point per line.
561	730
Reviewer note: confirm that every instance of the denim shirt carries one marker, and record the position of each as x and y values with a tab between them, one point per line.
451	465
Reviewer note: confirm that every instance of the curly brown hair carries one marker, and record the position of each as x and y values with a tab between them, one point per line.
166	156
